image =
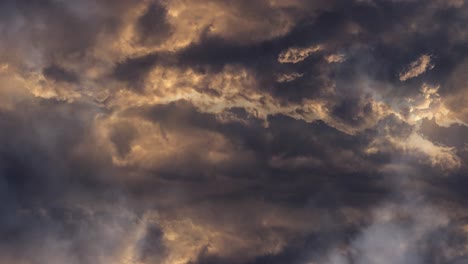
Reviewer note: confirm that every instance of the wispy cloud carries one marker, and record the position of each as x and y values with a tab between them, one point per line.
417	68
296	54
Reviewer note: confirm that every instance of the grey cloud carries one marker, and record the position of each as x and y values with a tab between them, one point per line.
223	138
58	73
135	70
153	26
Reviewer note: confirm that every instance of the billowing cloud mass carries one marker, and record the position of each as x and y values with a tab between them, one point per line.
233	132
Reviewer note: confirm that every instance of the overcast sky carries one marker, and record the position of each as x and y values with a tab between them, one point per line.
233	132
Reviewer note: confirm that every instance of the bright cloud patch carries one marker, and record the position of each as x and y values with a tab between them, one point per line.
296	54
417	68
288	77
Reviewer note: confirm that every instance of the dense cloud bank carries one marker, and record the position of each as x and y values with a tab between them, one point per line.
233	132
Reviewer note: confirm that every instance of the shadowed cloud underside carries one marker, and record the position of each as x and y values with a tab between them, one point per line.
233	132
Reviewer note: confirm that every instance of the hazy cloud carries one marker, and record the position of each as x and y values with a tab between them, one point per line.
233	132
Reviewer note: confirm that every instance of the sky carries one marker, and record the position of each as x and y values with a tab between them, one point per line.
233	132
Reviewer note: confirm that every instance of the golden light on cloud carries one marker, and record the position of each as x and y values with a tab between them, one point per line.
335	58
416	68
429	104
288	77
213	131
3	67
297	54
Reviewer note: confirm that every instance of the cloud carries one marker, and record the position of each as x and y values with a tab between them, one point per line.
417	68
391	237
153	26
335	58
202	132
58	73
289	77
296	54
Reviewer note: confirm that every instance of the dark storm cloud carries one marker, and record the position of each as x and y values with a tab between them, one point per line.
454	136
39	158
122	136
288	150
135	70
152	24
44	178
241	132
152	246
63	32
365	26
58	73
309	246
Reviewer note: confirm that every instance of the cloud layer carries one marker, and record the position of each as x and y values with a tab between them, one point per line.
233	132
